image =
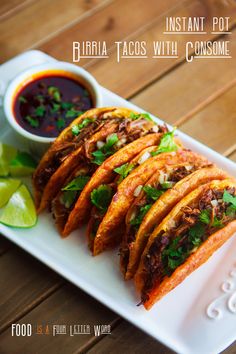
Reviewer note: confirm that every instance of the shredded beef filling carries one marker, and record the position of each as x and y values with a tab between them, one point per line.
170	249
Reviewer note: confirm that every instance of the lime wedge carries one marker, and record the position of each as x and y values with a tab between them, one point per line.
7	153
22	165
7	188
20	210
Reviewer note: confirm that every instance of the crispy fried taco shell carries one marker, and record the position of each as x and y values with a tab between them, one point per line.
125	195
193	221
105	174
130	259
111	121
64	144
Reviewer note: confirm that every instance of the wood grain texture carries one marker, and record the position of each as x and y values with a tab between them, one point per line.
184	91
25	282
112	23
218	119
7	8
69	306
39	20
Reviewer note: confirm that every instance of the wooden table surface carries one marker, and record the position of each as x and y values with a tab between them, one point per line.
198	97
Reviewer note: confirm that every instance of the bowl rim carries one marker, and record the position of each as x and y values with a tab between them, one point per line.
37	69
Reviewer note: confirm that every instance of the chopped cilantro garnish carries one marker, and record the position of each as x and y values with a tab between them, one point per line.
40	111
66	105
68	198
140	215
167	143
205	216
54	92
196	232
76	129
106	150
101	197
167	185
135	116
22	99
124	170
230	199
60	123
152	193
55	107
70	191
32	121
73	113
77	184
230	211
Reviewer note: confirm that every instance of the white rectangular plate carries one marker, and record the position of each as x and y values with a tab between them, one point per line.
183	320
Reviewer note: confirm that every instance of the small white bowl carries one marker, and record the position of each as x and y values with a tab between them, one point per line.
35	143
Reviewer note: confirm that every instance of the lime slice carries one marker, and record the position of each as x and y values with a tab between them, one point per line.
7	188
22	165
20	210
7	153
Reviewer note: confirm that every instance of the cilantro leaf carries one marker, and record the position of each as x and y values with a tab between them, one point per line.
55	107
217	222
67	105
135	116
70	191
101	197
68	197
73	113
140	215
167	143
106	150
230	211
230	199
54	92
22	99
76	129
124	170
152	193
60	123
32	121
77	184
40	111
204	217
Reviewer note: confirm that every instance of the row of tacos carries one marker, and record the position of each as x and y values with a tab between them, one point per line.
135	185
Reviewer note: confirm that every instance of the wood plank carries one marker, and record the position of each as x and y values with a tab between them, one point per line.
7	7
41	19
129	77
218	120
187	89
26	282
69	306
128	339
112	23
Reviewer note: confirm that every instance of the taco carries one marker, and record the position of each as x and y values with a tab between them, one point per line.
70	139
160	194
120	127
64	202
194	229
108	233
105	174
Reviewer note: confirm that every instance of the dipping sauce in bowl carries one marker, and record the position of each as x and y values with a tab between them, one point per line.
48	103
